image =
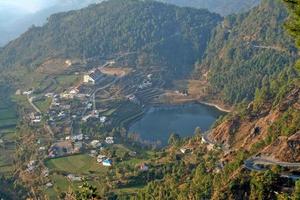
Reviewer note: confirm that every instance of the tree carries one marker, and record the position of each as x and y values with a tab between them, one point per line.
296	195
174	139
198	132
86	192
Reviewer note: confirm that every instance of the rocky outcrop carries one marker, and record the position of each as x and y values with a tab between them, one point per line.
252	132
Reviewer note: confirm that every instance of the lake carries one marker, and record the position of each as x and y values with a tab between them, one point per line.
159	122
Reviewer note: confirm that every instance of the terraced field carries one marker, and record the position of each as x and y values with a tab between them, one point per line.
8	117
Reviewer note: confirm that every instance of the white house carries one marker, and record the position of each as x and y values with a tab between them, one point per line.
109	140
93	78
100	158
103	119
107	163
95	143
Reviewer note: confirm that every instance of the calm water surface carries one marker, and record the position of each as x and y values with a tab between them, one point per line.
159	122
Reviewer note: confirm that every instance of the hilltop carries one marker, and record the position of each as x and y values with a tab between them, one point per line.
223	7
152	33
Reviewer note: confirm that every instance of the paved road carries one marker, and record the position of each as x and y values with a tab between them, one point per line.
92	98
30	100
253	163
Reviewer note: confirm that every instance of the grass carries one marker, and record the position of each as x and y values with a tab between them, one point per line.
66	81
8	115
62	184
8	123
78	164
43	104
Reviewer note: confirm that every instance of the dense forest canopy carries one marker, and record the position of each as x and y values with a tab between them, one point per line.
246	49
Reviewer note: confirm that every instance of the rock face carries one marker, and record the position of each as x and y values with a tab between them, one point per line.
285	149
255	135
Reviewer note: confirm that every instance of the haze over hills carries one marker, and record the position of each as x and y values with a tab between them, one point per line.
223	7
244	61
16	19
150	29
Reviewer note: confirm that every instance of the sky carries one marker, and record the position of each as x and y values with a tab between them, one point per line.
16	16
26	6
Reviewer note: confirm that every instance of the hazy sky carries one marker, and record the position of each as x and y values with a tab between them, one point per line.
27	6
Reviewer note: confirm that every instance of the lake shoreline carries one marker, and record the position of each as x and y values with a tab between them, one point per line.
164	107
216	106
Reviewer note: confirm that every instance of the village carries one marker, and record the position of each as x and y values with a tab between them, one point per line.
79	118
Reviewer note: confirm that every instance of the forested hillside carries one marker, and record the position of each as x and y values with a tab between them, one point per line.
267	129
159	34
247	49
223	7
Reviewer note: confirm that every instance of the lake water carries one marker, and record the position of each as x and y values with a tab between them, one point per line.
159	122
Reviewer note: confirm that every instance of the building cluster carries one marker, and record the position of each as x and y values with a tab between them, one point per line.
147	82
94	77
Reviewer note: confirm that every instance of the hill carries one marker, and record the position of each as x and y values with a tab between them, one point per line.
158	34
222	7
245	50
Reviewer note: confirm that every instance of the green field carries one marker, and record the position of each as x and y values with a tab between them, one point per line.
82	165
43	104
78	164
66	81
8	115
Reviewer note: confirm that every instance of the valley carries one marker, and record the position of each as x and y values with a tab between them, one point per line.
140	100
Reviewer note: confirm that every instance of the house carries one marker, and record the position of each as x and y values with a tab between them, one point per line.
49	95
93	153
60	149
185	150
42	148
133	99
45	172
100	158
31	165
203	141
49	185
94	77
103	119
72	177
77	137
78	146
68	138
68	62
27	92
109	140
35	117
145	84
95	143
132	153
107	163
143	167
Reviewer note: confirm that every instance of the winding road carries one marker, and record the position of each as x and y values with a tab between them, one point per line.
257	163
